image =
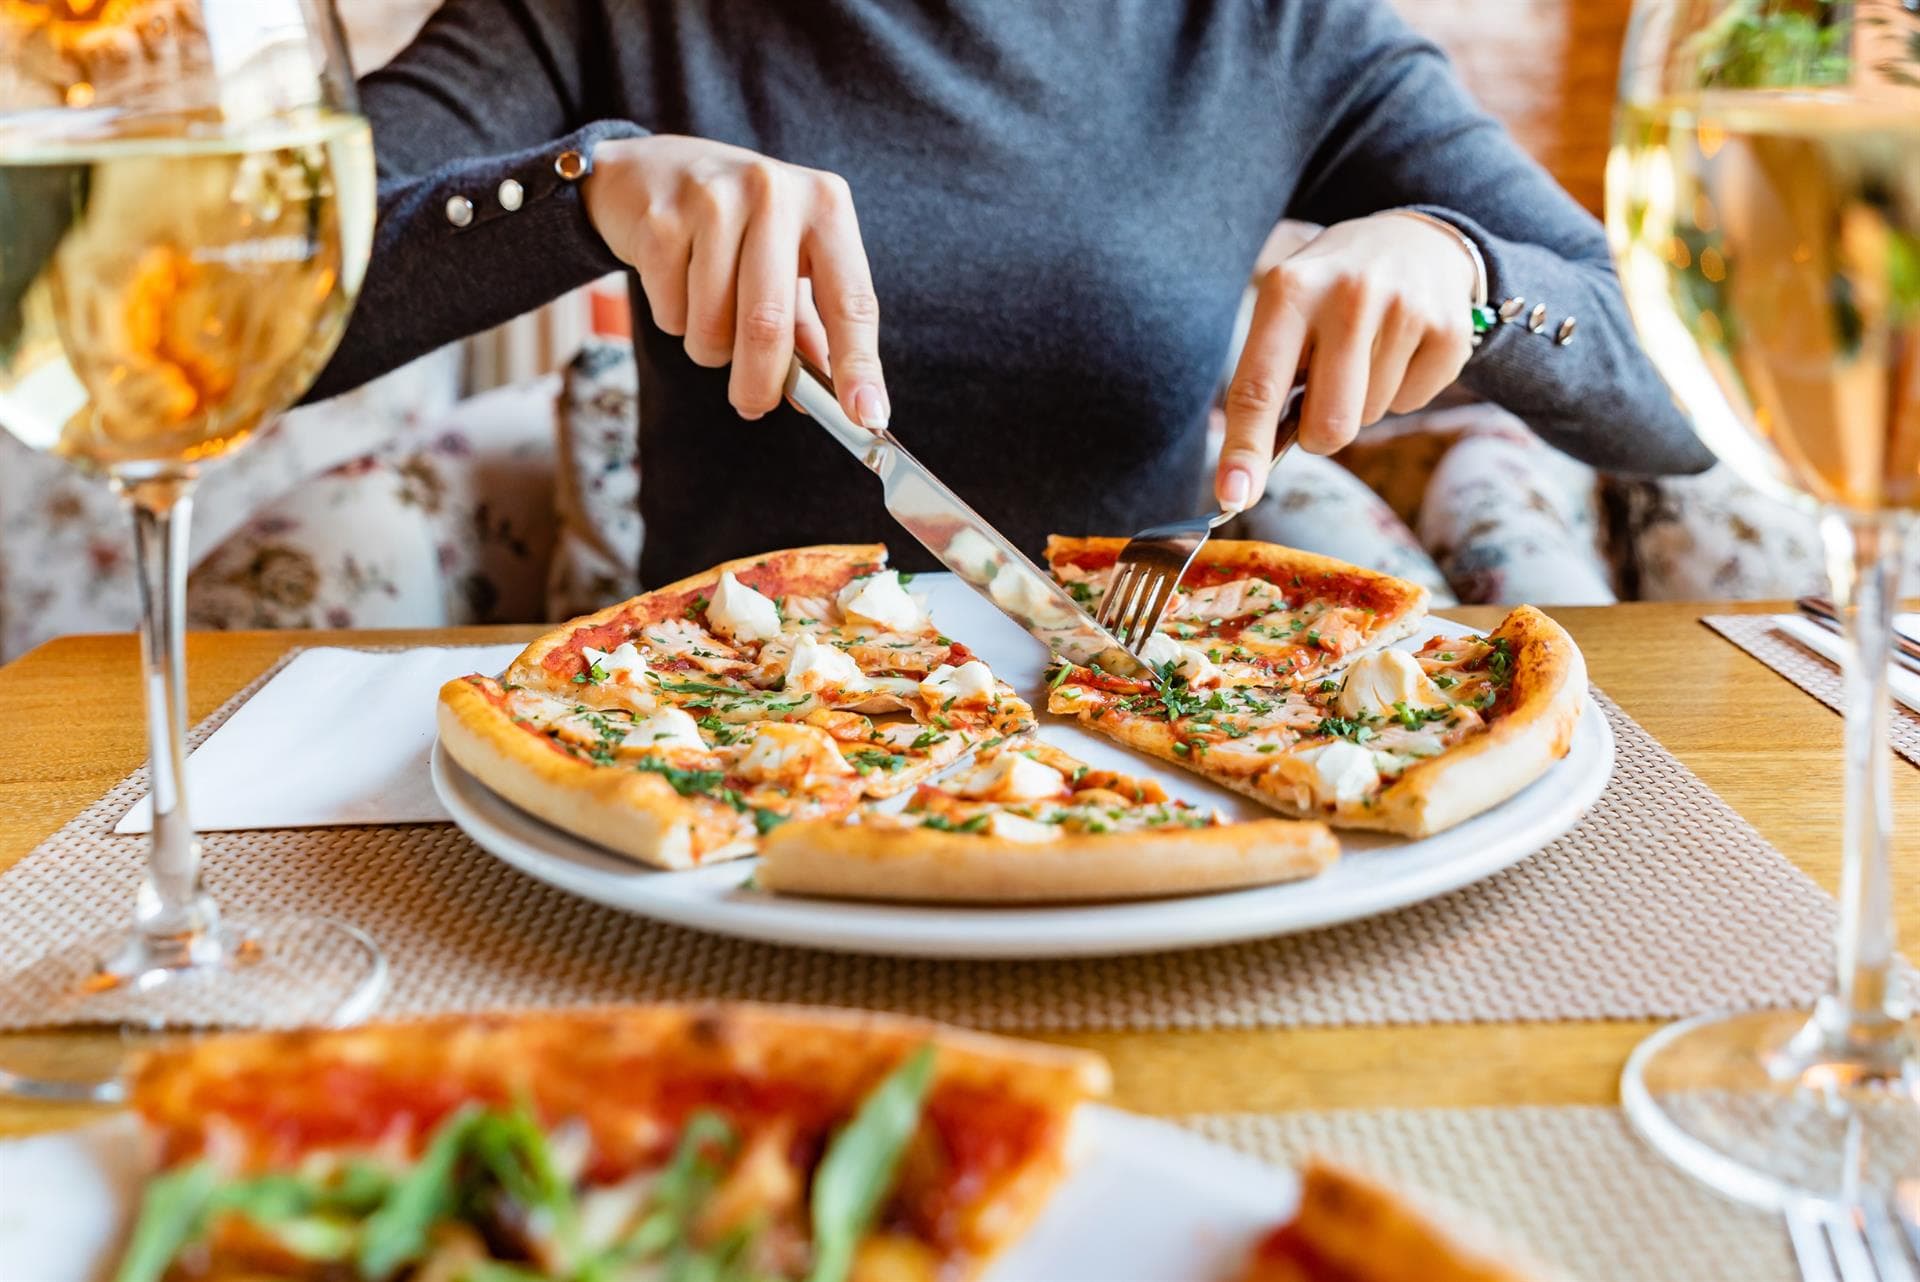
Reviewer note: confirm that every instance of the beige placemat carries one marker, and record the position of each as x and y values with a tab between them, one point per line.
1662	902
1756	634
1572	1185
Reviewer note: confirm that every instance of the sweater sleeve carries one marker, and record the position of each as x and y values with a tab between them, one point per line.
1400	131
482	128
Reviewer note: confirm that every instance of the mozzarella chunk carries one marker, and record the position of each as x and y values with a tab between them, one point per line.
667	728
1188	661
979	556
970	683
1376	682
792	753
879	598
1011	827
1343	770
1011	776
816	666
1226	600
740	613
623	662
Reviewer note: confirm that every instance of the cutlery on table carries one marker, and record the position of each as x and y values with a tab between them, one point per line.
1823	613
959	537
1864	1242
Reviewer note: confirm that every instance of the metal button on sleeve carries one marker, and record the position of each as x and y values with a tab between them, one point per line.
511	195
459	211
1537	318
570	165
1565	335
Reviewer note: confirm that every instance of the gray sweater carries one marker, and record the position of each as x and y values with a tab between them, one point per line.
1061	200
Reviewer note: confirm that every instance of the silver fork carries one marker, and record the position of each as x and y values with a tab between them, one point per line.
1863	1242
1152	563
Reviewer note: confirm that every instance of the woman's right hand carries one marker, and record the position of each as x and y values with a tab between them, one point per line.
746	257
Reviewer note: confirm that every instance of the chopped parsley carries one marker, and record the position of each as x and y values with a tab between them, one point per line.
1446	682
1414	718
1354	729
926	739
940	823
1081	592
689	783
1060	674
723	733
594	673
698	605
1329	686
1500	661
868	760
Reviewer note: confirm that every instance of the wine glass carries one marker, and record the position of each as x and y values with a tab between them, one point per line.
186	210
1763	203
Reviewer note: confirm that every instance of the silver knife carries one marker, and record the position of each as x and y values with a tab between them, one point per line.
959	537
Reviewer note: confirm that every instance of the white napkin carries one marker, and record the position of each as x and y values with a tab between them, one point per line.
337	737
1904	683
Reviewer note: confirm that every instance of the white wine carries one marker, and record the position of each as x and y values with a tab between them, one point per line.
167	286
1769	245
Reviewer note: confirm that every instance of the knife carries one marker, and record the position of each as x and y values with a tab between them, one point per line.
960	538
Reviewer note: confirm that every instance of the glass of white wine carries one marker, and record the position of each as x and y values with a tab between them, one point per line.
1763	202
186	210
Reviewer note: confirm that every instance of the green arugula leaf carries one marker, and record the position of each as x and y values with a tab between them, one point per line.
173	1212
856	1174
397	1233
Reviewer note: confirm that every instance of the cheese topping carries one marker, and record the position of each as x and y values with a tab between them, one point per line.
817	666
1021	597
971	682
1011	827
1011	776
879	598
622	662
667	728
791	753
1344	771
1188	661
741	613
1226	600
1376	682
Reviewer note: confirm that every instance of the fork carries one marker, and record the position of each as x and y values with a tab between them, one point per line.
1154	560
1860	1242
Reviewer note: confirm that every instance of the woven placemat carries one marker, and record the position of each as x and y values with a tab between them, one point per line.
1756	634
1661	903
1573	1186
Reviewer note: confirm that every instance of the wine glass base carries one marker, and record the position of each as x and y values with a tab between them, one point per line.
275	971
1744	1104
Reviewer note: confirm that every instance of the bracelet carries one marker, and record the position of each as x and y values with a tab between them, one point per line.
1466	243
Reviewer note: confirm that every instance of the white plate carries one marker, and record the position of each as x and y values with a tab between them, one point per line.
1375	874
1144	1202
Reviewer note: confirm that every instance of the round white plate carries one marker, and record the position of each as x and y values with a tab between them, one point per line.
1143	1201
1375	873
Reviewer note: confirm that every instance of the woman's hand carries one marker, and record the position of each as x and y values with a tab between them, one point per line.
745	257
1374	313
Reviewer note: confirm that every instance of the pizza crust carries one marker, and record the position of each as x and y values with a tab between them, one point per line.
629	811
859	861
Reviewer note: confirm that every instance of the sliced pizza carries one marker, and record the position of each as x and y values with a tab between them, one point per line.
1349	1229
1399	742
715	1142
1249	613
682	725
1029	823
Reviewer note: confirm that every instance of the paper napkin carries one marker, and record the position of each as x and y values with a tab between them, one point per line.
1904	684
337	737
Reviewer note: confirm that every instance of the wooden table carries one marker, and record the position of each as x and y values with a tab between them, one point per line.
1773	752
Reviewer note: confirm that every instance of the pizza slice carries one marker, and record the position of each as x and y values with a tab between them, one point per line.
721	1142
1029	823
1410	743
1350	1229
681	726
1250	613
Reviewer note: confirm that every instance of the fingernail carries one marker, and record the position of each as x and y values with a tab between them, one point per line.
1235	488
870	408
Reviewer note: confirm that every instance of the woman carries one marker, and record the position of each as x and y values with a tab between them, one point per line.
1055	208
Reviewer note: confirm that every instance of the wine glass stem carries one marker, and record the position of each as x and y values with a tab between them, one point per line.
1864	555
174	918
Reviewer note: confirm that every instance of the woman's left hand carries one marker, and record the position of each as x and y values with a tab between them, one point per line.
1374	313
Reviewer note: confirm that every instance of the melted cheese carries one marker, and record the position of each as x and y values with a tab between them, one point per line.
792	754
1343	771
970	683
740	613
622	663
667	728
685	639
879	598
1188	661
1011	776
1376	682
816	666
1011	827
1226	600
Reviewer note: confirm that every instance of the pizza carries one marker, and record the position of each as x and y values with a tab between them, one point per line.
1349	1229
1409	743
1249	613
723	1143
1026	822
683	725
